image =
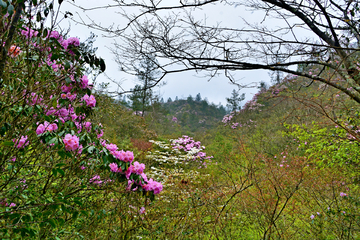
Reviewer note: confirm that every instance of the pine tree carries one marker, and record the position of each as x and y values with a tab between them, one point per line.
198	97
147	74
235	100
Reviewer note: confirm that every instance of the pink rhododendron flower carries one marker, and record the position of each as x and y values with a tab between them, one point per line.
63	112
119	155
127	172
129	156
138	168
73	41
154	186
46	127
80	149
87	126
29	33
71	142
143	175
12	205
99	135
343	194
51	127
111	147
90	100
14	51
51	111
142	210
70	96
84	81
22	142
96	180
40	129
66	89
55	34
113	167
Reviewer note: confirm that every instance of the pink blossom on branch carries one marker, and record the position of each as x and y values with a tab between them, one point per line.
113	167
89	100
22	142
84	82
152	185
71	142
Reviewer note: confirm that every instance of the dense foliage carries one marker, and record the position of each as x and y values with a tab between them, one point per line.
57	170
284	166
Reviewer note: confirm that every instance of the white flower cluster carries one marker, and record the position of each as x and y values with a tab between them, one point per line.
171	155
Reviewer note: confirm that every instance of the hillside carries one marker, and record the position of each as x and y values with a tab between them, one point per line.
194	115
179	117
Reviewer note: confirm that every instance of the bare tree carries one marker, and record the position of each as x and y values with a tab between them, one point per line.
322	33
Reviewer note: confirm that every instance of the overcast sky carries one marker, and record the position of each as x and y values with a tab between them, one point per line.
180	84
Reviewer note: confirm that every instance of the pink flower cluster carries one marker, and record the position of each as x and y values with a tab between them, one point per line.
89	100
96	180
138	169
46	127
63	110
84	82
4	202
71	142
127	156
154	186
135	168
227	118
33	99
14	51
69	96
29	33
22	142
188	144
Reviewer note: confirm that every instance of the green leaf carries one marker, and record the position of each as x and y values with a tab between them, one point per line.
75	215
67	66
62	153
53	140
102	65
105	159
54	172
52	223
46	12
61	171
3	4
60	164
55	57
60	134
38	17
7	143
45	33
91	149
68	80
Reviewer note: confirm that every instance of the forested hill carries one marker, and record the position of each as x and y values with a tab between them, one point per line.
194	114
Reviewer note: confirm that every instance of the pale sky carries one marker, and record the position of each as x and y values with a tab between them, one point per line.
180	84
